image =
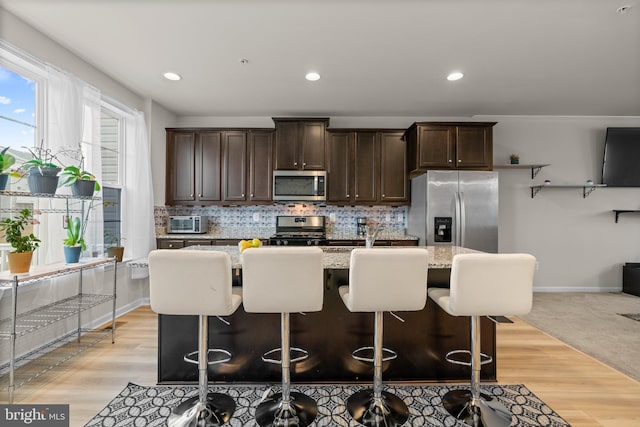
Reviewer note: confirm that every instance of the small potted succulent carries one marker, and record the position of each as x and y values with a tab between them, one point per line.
20	258
515	159
74	242
6	161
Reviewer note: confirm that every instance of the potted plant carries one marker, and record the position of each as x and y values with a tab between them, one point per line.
74	242
515	159
6	161
82	183
114	248
20	258
43	173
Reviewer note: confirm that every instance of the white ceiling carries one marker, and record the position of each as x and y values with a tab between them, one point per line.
376	58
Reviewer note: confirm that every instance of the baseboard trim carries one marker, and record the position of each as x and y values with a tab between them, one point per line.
576	289
120	311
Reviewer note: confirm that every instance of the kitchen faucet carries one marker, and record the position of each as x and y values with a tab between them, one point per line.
370	238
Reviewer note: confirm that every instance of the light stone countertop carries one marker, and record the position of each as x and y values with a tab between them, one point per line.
336	257
265	234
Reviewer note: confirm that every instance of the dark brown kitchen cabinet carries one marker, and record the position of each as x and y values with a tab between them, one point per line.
193	167
366	167
234	170
450	145
300	144
260	165
394	185
170	243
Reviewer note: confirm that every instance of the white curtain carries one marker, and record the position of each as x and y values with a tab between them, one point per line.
73	131
138	229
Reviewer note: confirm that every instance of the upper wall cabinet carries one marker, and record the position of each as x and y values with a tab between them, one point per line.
193	167
209	167
445	145
300	144
367	167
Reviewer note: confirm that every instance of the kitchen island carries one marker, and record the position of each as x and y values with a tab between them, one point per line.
330	335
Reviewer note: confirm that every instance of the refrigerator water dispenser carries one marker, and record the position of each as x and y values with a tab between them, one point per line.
442	228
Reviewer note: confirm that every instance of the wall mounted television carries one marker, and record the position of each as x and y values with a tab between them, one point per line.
621	165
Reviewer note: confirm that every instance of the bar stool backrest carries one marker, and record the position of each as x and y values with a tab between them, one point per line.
388	279
190	282
282	280
491	284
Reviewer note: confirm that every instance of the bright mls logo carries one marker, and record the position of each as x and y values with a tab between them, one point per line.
34	415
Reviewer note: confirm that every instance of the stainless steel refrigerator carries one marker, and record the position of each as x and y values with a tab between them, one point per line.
455	208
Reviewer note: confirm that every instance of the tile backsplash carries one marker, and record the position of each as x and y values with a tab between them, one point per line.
339	219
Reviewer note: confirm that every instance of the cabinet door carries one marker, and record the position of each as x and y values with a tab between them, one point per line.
474	147
393	168
208	166
286	147
235	166
366	159
181	162
435	147
260	166
339	169
313	146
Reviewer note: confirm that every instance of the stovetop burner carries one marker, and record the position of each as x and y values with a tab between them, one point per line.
299	231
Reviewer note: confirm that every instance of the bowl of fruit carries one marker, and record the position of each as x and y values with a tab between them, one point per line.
246	244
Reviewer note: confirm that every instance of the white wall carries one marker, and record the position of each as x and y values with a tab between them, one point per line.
158	118
576	240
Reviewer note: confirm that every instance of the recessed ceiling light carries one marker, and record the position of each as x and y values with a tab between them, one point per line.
312	77
456	75
623	9
172	76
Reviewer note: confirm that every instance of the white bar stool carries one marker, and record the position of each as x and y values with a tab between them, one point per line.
483	285
284	280
383	279
196	282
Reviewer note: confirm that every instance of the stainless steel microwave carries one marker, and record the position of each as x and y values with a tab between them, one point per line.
188	224
303	186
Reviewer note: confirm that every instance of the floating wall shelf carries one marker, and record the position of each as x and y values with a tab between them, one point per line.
586	189
535	169
618	212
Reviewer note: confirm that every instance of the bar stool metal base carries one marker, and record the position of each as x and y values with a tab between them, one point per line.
487	412
301	411
389	411
191	413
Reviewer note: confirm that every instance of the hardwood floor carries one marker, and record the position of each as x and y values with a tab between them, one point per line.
582	390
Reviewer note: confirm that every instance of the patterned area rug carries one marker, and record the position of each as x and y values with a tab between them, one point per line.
150	406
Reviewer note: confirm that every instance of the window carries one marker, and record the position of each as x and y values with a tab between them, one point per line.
111	139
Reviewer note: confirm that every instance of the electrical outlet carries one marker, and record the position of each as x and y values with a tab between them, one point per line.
388	217
256	217
400	217
332	216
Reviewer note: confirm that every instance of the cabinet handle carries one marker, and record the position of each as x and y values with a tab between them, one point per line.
295	163
304	164
170	245
357	195
251	194
459	161
450	161
191	195
242	195
347	196
383	196
199	195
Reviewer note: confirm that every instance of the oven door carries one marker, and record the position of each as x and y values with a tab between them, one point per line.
303	186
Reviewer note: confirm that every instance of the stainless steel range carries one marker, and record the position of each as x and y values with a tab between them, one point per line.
299	231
